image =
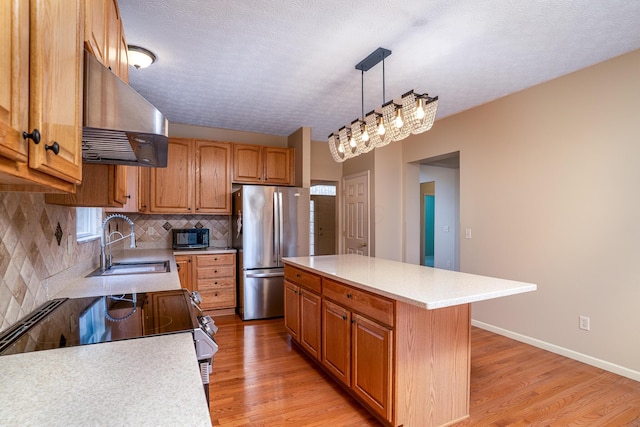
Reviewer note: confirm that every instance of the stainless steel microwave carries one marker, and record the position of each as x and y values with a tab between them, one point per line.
190	238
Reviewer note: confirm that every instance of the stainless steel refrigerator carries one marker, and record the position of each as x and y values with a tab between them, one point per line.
269	223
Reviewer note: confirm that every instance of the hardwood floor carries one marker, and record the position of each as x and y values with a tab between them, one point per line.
260	379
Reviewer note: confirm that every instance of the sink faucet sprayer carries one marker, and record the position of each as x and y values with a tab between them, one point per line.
105	261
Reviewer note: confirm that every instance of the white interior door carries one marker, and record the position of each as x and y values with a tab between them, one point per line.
356	213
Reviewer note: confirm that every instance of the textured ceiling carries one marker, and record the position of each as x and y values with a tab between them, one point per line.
272	66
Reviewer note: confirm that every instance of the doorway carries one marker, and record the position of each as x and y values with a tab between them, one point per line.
323	218
427	190
440	211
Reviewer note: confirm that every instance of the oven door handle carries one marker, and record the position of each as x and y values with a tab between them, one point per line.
264	275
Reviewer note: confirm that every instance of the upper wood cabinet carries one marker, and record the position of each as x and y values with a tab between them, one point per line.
41	88
171	188
102	185
213	177
113	189
104	36
195	181
256	164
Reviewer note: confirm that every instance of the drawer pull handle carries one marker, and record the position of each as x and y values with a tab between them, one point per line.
297	274
215	283
348	295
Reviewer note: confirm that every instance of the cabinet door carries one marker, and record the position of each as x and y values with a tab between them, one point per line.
247	164
114	28
183	263
144	189
95	28
55	91
292	309
310	322
278	165
336	341
172	187
102	186
213	177
14	78
371	364
130	188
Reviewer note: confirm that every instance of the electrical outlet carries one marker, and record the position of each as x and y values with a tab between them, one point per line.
69	244
585	323
467	233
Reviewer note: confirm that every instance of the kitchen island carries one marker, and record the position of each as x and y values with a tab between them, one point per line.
394	335
147	381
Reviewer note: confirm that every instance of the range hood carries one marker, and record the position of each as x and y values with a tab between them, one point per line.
120	126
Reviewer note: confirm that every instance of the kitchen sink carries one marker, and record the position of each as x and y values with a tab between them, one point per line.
133	267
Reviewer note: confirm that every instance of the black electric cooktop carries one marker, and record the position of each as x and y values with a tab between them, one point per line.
71	322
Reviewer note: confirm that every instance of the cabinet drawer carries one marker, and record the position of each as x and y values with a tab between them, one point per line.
224	297
376	307
215	260
303	278
216	283
215	272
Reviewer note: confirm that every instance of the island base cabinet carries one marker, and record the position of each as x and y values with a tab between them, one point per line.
358	352
302	317
372	350
433	354
336	341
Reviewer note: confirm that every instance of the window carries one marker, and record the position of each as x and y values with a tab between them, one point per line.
88	224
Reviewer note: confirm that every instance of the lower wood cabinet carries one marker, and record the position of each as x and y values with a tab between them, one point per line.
303	311
183	262
215	280
407	365
213	276
358	352
331	324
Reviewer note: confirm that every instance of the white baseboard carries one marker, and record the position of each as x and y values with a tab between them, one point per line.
589	360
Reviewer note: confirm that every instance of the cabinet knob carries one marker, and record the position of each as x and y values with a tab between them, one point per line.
215	283
55	148
348	295
344	317
35	136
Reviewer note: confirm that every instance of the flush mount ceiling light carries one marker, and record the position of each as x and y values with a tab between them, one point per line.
140	57
392	122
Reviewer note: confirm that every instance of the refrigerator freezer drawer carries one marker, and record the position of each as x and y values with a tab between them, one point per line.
262	294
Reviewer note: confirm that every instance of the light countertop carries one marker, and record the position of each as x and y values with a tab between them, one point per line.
147	381
426	287
151	381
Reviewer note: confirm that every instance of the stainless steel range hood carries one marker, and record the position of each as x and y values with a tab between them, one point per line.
120	126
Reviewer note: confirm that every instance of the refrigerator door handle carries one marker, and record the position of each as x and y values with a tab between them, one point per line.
280	227
276	224
264	275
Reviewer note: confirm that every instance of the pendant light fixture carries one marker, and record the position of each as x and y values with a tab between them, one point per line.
393	122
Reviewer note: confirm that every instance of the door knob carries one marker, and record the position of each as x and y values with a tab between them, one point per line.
362	245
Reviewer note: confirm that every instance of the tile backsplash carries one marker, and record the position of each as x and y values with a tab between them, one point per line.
30	256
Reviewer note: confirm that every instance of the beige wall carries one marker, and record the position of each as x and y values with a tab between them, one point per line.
549	186
188	131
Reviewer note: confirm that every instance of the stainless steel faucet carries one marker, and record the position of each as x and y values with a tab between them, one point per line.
105	261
